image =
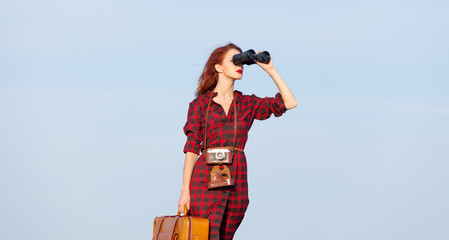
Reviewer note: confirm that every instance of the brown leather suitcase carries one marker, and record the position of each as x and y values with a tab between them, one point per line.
179	227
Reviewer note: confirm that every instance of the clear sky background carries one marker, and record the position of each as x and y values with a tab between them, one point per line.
94	95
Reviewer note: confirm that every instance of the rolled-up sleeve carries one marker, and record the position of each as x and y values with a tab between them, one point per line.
264	107
192	129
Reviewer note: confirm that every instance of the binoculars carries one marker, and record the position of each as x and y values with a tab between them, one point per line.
248	57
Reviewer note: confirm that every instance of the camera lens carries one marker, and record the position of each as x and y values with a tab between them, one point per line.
219	155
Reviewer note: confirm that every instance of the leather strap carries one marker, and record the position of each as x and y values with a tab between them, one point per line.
158	228
190	229
174	226
207	116
235	124
238	149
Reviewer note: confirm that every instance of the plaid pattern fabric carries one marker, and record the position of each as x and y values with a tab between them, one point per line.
225	207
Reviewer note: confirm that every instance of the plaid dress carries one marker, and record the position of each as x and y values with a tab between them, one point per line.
224	207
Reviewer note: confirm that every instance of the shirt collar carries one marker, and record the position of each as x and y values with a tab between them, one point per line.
237	94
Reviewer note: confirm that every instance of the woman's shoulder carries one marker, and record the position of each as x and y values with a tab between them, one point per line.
245	97
201	99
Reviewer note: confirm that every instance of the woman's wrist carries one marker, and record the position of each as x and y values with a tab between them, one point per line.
272	72
185	190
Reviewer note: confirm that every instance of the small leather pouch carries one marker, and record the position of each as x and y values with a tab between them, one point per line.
220	155
220	176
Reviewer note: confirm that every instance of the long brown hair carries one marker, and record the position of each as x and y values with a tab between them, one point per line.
209	78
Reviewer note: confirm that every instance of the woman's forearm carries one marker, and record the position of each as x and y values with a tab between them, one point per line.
287	95
188	168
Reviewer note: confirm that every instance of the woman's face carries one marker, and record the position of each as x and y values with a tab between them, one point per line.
227	67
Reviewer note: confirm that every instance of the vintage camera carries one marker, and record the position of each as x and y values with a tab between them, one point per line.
248	57
218	156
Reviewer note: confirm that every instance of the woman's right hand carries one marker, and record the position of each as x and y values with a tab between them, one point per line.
184	200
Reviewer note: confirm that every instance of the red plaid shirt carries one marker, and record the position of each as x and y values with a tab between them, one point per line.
220	127
224	207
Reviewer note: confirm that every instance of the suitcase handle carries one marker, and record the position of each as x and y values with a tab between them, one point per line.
186	211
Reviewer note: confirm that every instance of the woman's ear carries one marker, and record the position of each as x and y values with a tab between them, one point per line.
218	68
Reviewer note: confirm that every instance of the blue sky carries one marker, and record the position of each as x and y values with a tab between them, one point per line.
94	95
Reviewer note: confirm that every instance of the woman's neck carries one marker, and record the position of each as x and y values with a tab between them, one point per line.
225	88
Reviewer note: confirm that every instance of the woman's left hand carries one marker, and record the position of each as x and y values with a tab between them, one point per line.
269	67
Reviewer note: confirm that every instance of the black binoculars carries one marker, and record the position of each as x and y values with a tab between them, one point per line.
248	57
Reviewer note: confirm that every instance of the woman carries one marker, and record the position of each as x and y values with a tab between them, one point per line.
224	206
